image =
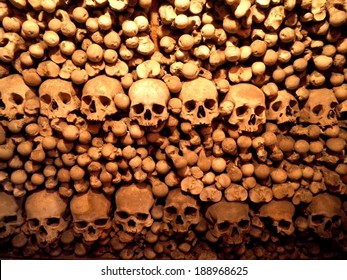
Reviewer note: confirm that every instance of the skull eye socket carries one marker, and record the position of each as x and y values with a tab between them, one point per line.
122	215
190	105
333	105
276	106
10	219
158	109
292	103
209	104
64	97
241	110
81	224
223	226
266	220
284	224
33	223
46	99
100	222
190	211
171	210
318	219
243	224
336	219
317	110
53	221
104	101
17	98
138	108
259	110
87	99
142	216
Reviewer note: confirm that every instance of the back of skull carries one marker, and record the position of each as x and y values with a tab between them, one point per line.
10	215
133	205
181	211
325	215
57	98
229	220
98	97
149	98
200	101
91	215
46	215
278	215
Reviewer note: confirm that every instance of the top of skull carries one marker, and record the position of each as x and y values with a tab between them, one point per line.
178	197
245	93
8	204
325	203
227	210
148	89
102	85
198	89
277	209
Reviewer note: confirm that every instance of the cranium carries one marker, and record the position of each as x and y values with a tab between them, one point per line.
229	220
325	215
320	108
245	103
10	215
279	215
149	98
134	203
14	96
91	215
181	211
200	101
98	97
57	98
46	215
283	109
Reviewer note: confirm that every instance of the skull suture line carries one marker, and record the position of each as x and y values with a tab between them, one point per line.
246	105
200	101
149	98
91	215
57	98
133	204
46	215
181	211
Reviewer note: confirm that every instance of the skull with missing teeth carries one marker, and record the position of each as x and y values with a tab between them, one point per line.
149	99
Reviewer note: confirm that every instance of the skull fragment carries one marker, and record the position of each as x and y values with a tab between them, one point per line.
181	211
149	99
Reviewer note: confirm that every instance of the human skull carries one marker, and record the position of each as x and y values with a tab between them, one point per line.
229	220
325	215
245	103
133	205
199	101
320	108
181	211
149	99
14	94
91	215
58	98
278	215
46	215
283	108
10	215
98	97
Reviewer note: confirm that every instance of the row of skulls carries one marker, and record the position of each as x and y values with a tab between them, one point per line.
47	215
244	106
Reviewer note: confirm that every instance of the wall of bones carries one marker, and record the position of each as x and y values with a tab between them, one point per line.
178	129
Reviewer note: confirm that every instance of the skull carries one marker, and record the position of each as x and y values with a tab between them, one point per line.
134	203
46	215
10	215
149	98
98	97
91	215
325	215
14	94
320	108
57	98
283	109
246	104
229	220
181	211
278	215
200	101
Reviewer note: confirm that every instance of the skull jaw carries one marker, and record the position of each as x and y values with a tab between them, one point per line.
153	127
12	113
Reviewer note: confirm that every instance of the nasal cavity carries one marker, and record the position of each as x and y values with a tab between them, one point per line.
179	220
91	230
131	223
54	105
148	114
201	112
331	114
327	226
92	108
42	230
252	119
235	232
288	111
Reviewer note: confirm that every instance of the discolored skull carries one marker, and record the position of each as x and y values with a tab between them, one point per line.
149	99
229	220
133	205
278	215
199	101
283	109
325	215
320	108
57	98
46	215
10	215
14	95
245	103
181	211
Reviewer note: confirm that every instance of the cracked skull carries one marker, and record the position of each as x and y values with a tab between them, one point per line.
229	221
245	103
133	205
46	215
181	211
91	215
98	97
199	101
149	99
57	98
